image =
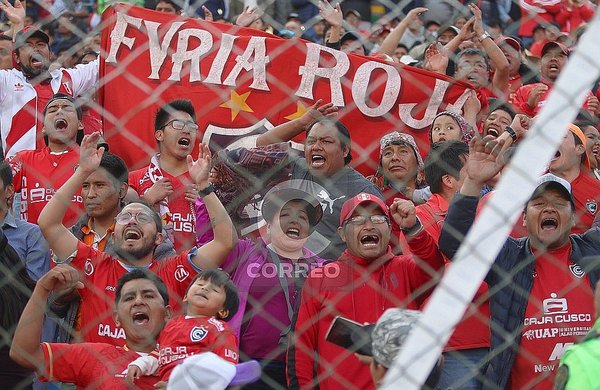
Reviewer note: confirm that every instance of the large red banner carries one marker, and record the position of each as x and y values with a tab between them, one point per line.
243	81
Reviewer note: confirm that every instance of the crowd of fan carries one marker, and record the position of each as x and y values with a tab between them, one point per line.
151	281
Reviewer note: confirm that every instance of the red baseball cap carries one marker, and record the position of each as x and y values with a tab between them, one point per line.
28	32
363	198
554	45
510	41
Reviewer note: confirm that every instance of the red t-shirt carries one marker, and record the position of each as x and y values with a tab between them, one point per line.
92	366
102	273
38	174
560	311
473	330
182	214
186	336
514	83
586	193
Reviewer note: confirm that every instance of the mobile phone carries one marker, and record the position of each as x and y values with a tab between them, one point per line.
350	335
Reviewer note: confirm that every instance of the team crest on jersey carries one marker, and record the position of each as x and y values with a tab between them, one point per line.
88	268
181	274
577	271
198	333
591	206
18	87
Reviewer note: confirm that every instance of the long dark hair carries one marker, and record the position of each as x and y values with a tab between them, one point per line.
15	285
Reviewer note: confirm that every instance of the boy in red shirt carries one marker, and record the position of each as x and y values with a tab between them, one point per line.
211	299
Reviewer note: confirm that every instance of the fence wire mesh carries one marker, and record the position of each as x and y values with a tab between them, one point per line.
340	154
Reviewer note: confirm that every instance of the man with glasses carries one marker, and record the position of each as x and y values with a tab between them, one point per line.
366	280
137	233
166	183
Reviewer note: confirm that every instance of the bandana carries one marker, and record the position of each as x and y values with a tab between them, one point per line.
466	130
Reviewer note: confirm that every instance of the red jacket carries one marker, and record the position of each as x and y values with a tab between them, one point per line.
360	290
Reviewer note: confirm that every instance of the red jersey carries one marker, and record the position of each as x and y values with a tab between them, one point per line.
38	174
101	275
522	95
586	193
92	366
181	215
560	311
185	336
473	330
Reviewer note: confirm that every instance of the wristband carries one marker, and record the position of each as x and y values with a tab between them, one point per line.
208	190
417	228
512	133
484	36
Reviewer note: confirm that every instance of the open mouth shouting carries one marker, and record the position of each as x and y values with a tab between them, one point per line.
185	142
132	234
293	233
549	224
140	318
493	130
60	124
317	161
369	241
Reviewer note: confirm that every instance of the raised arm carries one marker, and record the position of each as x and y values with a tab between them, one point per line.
15	14
26	349
484	162
497	58
60	239
420	242
390	43
287	131
213	253
335	18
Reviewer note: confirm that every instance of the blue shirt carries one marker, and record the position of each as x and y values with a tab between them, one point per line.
29	243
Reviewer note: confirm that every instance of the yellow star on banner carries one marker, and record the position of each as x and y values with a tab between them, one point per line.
237	103
300	110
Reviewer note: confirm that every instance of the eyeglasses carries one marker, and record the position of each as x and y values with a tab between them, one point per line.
179	125
361	219
142	218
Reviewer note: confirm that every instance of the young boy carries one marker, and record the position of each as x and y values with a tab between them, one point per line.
211	299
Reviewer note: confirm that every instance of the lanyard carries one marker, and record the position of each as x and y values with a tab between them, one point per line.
282	281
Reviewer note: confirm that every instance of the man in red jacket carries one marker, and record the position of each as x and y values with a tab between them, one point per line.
366	280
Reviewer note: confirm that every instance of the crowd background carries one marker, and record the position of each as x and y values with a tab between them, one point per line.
510	52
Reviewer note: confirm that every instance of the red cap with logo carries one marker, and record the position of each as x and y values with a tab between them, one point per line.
361	199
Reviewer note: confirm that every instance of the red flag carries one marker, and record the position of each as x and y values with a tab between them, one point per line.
243	81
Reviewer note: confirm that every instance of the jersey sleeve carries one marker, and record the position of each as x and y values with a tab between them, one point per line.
68	363
4	84
177	272
84	77
16	166
226	346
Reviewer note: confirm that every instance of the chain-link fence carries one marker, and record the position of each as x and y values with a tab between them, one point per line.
347	160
